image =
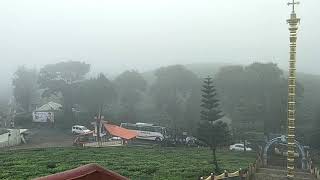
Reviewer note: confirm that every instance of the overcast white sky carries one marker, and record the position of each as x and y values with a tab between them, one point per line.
114	35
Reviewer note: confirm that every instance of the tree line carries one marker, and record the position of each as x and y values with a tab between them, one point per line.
254	97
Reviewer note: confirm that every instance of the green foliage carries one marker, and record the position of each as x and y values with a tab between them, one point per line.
51	165
62	78
261	89
210	104
131	80
310	103
173	87
214	133
313	139
191	115
69	70
135	163
313	135
131	86
255	94
59	77
24	86
245	122
96	93
23	120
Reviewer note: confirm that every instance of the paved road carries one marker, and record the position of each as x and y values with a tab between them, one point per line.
43	138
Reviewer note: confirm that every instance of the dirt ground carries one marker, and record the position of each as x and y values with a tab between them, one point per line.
43	138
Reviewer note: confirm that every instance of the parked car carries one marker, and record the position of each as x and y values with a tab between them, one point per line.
77	129
194	142
239	147
114	138
191	140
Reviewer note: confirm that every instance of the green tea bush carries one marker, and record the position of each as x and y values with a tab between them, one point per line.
135	163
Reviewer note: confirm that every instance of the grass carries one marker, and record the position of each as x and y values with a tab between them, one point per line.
133	162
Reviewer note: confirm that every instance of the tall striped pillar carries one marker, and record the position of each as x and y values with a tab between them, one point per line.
293	27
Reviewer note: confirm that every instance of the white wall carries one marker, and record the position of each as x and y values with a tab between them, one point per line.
14	139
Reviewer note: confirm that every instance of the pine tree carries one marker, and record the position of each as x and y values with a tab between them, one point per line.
210	103
211	131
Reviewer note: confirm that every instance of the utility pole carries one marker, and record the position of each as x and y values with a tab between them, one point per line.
99	118
293	27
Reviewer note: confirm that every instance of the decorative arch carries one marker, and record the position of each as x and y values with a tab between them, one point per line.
283	139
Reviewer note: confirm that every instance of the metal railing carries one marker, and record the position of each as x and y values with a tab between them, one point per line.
240	174
315	171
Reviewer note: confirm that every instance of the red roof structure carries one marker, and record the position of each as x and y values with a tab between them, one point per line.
86	172
120	132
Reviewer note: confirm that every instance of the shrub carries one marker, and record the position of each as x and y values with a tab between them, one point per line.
51	165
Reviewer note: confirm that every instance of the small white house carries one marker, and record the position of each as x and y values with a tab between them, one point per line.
45	113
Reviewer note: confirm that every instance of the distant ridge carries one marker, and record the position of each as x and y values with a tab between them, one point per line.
206	68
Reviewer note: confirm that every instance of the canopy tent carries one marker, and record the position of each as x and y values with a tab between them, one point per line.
120	132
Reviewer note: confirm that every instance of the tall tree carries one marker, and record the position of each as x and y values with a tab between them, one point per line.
210	103
131	86
96	93
212	131
24	86
173	87
63	77
258	84
244	121
192	109
314	133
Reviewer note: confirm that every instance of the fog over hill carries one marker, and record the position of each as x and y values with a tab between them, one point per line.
310	81
143	35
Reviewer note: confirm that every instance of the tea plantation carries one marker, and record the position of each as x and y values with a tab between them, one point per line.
133	162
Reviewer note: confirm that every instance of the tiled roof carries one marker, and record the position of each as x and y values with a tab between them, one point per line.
50	106
86	172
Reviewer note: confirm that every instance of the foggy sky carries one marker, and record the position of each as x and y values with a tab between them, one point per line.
114	35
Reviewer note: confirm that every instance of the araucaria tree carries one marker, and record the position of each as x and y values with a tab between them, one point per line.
215	133
210	103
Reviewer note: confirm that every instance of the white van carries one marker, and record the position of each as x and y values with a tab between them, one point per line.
77	129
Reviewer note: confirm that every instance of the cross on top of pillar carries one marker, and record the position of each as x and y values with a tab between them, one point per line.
293	3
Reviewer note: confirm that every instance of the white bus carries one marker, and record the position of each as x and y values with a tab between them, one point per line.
147	131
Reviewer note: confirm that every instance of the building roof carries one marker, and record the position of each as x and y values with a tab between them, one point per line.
86	172
50	106
120	132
